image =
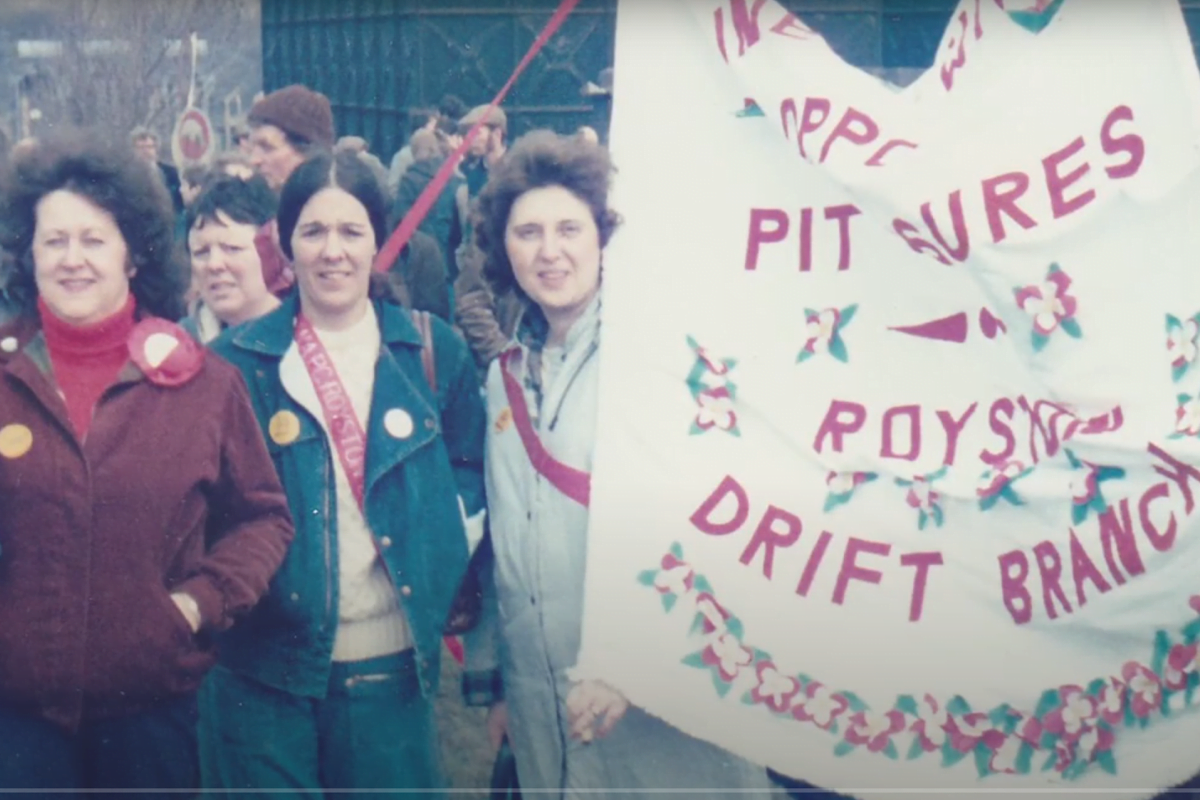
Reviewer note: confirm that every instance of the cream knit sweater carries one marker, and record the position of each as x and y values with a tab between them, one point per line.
370	620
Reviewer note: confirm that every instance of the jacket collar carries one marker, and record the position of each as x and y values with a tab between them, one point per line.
29	363
272	334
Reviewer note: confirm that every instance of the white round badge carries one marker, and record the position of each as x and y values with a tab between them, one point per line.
398	423
9	344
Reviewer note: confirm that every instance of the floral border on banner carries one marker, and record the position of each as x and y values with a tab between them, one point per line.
1073	726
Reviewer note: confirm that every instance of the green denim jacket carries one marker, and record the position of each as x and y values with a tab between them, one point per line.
414	486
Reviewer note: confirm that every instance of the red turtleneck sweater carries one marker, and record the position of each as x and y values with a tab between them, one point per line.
86	358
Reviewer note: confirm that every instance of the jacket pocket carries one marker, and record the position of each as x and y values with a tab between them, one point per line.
141	646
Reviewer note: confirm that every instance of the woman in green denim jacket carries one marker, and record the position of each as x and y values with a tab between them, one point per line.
329	683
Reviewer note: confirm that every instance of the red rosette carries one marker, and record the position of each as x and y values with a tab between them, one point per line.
165	352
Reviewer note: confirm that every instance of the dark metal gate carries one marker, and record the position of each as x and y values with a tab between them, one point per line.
376	59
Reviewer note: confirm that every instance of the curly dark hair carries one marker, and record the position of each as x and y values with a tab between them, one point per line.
113	178
536	160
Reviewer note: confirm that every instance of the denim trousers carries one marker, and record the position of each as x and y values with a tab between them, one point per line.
154	749
373	730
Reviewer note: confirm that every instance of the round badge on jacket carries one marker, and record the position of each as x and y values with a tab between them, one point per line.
15	440
164	352
398	423
284	427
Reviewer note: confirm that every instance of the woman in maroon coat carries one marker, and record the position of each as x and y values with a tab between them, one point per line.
139	509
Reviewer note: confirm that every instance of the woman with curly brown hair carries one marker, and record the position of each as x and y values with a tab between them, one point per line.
543	224
140	512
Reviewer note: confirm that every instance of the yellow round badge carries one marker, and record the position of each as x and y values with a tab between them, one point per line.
284	427
503	420
15	440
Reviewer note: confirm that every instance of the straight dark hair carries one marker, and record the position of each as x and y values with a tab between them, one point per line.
345	171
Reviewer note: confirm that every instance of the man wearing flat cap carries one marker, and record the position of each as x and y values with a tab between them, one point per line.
488	146
285	126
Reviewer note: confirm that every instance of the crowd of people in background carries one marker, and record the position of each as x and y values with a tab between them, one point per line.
248	482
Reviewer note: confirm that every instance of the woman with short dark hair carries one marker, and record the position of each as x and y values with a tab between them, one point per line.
376	426
139	510
232	251
543	222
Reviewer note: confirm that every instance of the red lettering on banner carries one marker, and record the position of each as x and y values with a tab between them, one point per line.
806	235
1117	535
836	426
876	160
1057	184
908	232
922	563
962	239
807	125
1083	568
760	234
913	413
852	571
1159	540
1050	567
813	564
842	215
855	127
1014	572
1178	473
702	517
953	427
996	201
772	226
998	196
1131	144
766	536
745	24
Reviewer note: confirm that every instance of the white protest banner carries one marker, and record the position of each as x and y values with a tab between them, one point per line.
895	479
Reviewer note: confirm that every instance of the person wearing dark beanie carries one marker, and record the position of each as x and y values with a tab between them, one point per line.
286	126
142	513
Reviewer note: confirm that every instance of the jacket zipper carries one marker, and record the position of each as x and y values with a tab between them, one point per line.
592	348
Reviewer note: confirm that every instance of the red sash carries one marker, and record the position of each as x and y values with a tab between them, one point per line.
345	430
574	483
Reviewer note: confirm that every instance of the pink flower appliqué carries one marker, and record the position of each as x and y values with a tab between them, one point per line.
1077	711
873	729
930	725
716	409
1145	692
819	705
728	655
713	363
922	496
774	689
821	328
840	483
995	479
1112	701
1005	750
712	612
674	576
1095	741
1048	303
1182	662
1187	416
968	730
1085	484
1181	342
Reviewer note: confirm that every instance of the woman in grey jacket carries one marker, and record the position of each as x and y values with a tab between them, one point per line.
543	221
